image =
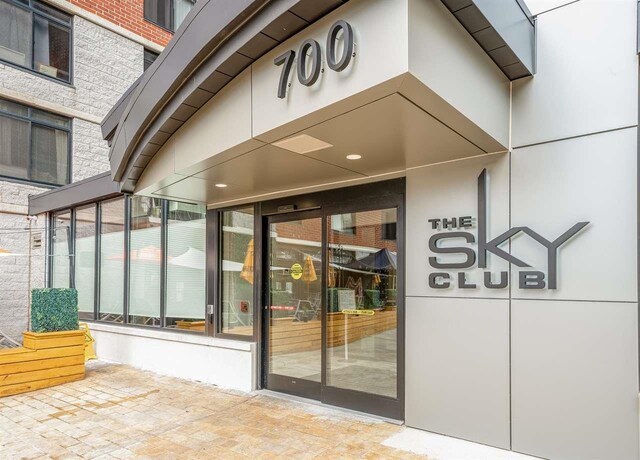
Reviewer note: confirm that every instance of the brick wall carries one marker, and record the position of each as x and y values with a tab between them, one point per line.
128	14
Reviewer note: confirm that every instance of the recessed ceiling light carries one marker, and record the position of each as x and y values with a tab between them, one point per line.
302	144
221	185
354	156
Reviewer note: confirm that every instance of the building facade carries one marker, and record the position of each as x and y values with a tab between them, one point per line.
420	209
63	65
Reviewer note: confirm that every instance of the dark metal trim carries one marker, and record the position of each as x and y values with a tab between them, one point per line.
380	195
127	255
212	269
90	190
164	244
72	249
511	28
96	267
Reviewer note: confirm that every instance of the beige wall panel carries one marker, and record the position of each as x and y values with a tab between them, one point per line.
589	179
457	368
448	60
222	123
574	376
380	29
587	73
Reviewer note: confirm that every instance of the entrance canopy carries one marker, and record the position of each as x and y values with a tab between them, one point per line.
218	119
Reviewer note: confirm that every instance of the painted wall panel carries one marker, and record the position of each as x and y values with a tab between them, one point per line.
457	368
592	179
451	190
450	62
574	377
587	73
540	6
380	29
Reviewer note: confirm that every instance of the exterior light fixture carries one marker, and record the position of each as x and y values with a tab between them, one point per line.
354	156
302	144
221	185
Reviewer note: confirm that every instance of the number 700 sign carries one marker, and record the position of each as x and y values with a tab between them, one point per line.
309	71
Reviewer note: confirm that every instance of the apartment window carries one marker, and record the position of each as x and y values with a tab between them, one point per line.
35	146
167	14
149	58
36	36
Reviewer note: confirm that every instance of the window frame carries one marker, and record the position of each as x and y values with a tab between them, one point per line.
29	119
172	17
126	262
28	6
214	272
171	29
148	52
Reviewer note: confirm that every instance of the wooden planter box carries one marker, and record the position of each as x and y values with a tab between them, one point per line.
45	360
288	336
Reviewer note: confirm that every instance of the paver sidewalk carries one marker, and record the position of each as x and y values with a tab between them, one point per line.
121	412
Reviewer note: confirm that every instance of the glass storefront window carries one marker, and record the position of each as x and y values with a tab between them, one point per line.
85	259
186	267
361	303
237	252
145	261
61	239
112	261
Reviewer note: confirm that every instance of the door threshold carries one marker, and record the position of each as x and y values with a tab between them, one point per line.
314	402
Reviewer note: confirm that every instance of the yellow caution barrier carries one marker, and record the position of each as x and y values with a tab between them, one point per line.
89	350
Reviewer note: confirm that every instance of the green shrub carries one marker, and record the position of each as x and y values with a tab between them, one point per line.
54	310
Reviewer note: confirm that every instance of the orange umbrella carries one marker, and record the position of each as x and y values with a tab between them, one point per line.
331	275
247	269
308	271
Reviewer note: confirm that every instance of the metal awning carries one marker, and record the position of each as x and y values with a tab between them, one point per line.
86	191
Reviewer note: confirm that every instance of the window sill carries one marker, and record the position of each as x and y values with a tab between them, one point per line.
171	336
39	74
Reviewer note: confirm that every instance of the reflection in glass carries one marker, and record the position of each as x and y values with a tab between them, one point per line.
112	260
15	34
295	328
186	267
61	262
237	271
361	303
145	261
85	259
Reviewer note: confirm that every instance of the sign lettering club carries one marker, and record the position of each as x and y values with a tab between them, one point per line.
527	279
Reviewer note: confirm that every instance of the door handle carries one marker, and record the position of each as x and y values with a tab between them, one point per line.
210	312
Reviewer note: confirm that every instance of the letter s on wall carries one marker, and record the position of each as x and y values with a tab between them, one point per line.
433	246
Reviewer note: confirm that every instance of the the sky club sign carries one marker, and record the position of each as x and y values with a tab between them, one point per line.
454	228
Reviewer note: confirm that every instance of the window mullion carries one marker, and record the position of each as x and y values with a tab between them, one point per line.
127	252
163	263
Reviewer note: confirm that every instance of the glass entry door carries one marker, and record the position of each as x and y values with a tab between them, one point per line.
332	313
294	329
